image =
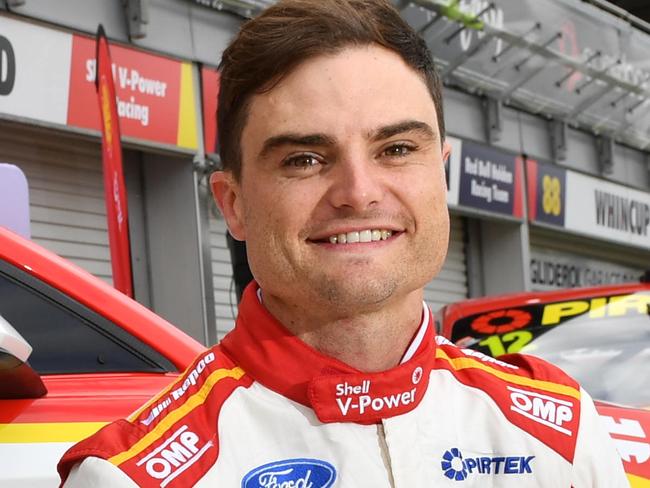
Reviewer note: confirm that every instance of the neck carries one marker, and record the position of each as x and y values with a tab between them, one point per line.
370	341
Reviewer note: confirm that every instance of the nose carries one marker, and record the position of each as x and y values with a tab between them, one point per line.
357	184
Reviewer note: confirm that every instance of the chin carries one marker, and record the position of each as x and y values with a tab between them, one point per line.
358	292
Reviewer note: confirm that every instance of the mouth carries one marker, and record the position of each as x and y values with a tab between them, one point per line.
357	236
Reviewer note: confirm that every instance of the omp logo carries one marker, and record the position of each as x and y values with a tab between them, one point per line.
177	454
544	409
179	392
458	468
291	473
365	401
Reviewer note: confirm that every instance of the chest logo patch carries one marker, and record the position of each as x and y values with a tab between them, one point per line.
291	473
458	468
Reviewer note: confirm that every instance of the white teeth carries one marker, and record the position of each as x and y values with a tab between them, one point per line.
368	235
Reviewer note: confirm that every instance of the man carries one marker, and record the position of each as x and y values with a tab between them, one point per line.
332	139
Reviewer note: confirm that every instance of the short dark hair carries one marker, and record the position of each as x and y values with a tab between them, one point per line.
268	47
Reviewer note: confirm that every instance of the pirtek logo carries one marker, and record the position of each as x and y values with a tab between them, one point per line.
458	468
366	401
179	392
544	409
178	453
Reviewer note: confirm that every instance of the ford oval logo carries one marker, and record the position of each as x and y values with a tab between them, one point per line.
291	473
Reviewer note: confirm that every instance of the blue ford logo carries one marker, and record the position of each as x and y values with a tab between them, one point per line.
291	473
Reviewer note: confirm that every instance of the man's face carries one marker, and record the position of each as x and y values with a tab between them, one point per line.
343	151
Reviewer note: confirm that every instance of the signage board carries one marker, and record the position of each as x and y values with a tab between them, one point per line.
551	270
34	71
484	178
48	75
155	96
588	205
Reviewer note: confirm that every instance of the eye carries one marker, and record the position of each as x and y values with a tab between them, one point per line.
304	161
398	150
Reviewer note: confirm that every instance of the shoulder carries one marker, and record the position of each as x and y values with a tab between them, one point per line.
175	429
93	471
529	392
516	369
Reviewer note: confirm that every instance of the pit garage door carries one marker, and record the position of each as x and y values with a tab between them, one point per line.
225	298
450	285
67	210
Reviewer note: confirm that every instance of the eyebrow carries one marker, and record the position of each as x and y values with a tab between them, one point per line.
402	127
293	139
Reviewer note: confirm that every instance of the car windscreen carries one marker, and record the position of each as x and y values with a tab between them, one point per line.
66	336
602	341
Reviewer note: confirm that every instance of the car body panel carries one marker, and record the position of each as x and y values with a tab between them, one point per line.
35	432
83	287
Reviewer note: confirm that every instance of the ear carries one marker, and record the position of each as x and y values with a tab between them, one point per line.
446	151
227	195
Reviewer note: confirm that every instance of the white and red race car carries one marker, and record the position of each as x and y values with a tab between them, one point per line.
600	336
75	354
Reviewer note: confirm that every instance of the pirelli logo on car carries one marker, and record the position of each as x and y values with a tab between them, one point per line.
546	410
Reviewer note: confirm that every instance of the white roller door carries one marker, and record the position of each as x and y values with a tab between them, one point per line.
66	194
450	285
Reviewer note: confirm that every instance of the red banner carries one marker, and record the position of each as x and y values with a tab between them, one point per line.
114	188
210	93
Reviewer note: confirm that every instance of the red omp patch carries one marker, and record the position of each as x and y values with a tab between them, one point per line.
501	321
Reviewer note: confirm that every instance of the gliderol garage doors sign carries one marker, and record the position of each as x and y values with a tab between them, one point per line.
587	205
48	75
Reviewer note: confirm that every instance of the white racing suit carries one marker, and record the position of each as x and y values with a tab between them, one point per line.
263	409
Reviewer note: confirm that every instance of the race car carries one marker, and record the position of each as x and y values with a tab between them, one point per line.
75	354
599	335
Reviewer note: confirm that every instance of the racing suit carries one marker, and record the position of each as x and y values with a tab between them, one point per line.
263	409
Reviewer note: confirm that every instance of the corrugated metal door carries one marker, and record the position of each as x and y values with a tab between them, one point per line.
450	285
66	194
225	298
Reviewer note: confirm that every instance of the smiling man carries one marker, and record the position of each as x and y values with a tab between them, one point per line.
332	139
